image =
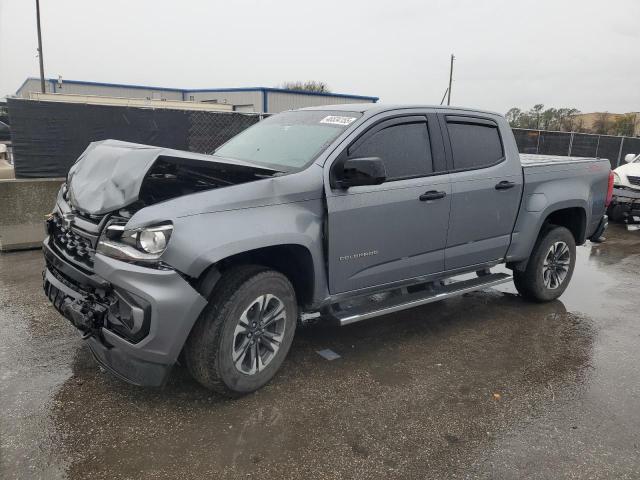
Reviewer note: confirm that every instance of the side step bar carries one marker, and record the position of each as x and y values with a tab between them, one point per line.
410	300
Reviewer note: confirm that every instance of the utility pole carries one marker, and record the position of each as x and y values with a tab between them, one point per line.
450	80
444	96
40	47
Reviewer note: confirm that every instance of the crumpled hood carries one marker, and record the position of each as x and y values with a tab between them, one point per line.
109	174
632	169
292	188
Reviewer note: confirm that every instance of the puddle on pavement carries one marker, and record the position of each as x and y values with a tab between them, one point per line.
430	388
408	382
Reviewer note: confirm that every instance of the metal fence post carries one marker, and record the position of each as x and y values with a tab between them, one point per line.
598	146
538	144
570	144
620	152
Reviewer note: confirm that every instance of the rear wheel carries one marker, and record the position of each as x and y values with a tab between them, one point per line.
550	266
244	334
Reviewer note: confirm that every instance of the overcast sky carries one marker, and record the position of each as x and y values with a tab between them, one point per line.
583	54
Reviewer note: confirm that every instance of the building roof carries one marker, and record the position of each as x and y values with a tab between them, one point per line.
195	90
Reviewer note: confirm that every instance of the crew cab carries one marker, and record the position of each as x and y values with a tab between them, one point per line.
334	213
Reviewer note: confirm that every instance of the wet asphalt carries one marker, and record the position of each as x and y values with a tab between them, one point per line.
483	386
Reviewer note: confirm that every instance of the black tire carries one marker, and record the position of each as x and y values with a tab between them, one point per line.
532	282
213	341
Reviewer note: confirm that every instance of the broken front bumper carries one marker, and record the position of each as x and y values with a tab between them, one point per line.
625	201
135	319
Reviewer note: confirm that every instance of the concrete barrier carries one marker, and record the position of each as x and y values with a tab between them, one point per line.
23	206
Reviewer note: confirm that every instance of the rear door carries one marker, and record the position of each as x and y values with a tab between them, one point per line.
381	234
486	191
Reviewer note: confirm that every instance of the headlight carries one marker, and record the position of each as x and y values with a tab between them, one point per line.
140	244
616	179
154	240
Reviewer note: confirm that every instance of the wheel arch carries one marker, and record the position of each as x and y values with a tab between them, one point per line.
295	261
572	216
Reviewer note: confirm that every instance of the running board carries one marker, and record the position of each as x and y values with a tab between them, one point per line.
410	300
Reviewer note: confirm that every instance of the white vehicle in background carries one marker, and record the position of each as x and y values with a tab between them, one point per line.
6	169
625	204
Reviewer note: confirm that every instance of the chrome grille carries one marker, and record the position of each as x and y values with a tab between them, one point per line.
73	243
634	180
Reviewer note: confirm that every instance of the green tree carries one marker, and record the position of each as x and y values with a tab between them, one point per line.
602	124
549	119
536	112
308	86
514	116
566	119
625	125
538	117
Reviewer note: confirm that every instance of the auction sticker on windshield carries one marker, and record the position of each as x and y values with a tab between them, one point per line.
337	120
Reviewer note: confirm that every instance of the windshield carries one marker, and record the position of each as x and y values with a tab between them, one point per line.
290	140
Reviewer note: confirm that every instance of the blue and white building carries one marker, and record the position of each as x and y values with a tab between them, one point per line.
252	99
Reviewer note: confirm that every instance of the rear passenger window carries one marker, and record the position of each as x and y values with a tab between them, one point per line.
404	148
474	145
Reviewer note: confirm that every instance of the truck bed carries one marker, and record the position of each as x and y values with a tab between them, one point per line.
549	181
533	160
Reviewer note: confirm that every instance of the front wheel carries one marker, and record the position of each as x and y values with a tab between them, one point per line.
550	266
244	334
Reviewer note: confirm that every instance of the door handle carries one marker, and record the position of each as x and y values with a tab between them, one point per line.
505	185
432	195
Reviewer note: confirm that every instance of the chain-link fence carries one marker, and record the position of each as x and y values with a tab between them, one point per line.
208	131
48	137
575	144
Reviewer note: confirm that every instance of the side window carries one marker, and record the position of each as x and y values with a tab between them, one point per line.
404	148
474	145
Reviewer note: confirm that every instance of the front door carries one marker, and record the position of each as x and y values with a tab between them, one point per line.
486	192
397	230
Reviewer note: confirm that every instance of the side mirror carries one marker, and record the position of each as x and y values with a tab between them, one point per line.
630	157
362	171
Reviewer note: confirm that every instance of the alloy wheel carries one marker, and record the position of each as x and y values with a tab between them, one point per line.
258	334
556	265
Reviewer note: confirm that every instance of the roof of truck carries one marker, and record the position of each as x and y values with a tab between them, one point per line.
381	107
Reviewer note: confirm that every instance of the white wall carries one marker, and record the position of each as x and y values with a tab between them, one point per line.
250	101
246	101
278	101
33	85
115	91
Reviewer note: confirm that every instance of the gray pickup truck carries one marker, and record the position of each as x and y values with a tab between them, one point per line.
337	213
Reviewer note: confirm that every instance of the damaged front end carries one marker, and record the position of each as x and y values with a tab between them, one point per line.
111	319
625	205
109	280
86	313
83	297
113	175
90	311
